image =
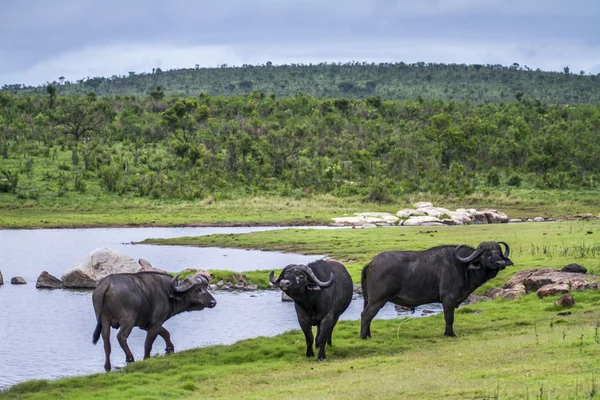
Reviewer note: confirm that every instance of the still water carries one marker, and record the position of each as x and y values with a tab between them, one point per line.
46	334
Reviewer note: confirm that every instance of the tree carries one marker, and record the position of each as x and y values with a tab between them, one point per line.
81	118
51	90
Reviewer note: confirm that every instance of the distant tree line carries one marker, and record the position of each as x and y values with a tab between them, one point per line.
167	146
400	81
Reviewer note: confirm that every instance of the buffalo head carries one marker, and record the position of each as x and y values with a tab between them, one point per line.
297	279
193	292
488	255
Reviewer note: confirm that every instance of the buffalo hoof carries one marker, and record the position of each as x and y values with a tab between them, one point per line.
449	334
321	359
129	360
107	367
169	350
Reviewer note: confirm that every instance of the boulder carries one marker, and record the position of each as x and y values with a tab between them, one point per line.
251	288
474	299
385	216
96	265
461	216
407	212
545	282
434	211
553	289
368	226
146	266
47	281
18	280
357	288
565	301
538	219
419	221
495	217
1	279
515	220
576	268
480	218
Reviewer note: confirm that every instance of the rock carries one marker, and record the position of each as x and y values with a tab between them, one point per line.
402	309
407	212
480	218
382	224
213	287
357	288
146	266
552	289
78	280
285	297
510	294
369	226
47	281
495	217
431	211
251	288
385	216
18	280
474	299
1	279
515	220
422	204
97	265
575	268
538	219
419	221
427	312
240	278
461	216
220	283
565	301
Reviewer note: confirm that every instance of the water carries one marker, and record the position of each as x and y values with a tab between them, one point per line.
46	334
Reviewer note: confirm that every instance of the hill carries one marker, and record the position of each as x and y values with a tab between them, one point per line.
399	81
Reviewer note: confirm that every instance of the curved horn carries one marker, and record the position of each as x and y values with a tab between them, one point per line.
272	278
507	251
189	282
316	280
174	281
468	259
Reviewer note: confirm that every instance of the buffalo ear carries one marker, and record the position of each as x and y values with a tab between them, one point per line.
314	287
474	265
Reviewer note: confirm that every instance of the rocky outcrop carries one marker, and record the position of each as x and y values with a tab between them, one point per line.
367	218
100	263
47	281
18	280
545	282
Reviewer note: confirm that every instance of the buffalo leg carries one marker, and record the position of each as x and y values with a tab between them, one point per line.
106	340
449	317
150	338
331	333
324	335
122	337
308	335
167	338
367	315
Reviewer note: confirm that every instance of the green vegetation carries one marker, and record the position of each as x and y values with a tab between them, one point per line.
70	153
504	349
533	245
458	82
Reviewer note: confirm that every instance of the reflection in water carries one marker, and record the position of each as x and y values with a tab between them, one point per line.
47	334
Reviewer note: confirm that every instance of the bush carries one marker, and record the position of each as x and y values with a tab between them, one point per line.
514	180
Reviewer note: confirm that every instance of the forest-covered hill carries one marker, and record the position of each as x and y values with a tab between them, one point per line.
162	146
398	81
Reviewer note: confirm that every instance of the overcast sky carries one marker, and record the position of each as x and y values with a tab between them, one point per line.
42	40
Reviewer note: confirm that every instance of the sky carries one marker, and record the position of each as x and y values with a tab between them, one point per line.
43	40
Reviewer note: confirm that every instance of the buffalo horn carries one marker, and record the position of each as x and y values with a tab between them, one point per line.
468	259
316	280
188	282
272	278
507	251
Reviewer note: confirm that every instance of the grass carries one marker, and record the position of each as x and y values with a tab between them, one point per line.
505	349
533	245
101	209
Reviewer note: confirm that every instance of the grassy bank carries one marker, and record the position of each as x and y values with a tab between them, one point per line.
76	210
533	245
504	349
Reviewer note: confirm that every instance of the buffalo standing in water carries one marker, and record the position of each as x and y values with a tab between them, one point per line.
321	290
145	300
446	274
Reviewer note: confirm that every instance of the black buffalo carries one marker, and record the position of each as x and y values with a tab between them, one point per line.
145	300
321	290
446	274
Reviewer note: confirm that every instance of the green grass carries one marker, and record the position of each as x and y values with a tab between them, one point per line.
533	245
505	349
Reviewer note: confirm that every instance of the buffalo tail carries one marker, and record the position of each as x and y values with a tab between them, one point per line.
97	332
98	329
363	284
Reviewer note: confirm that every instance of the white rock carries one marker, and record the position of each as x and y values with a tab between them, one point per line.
433	211
538	219
369	226
387	217
461	216
407	212
515	220
418	221
100	263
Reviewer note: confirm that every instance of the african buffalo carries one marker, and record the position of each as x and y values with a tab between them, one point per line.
446	274
145	300
321	290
